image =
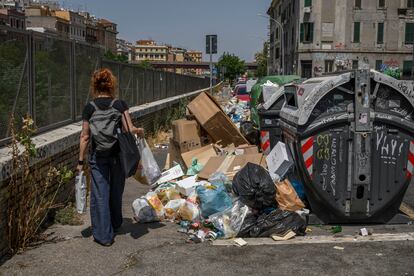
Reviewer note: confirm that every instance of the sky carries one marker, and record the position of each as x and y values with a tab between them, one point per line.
184	23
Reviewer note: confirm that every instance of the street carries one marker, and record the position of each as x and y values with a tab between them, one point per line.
158	249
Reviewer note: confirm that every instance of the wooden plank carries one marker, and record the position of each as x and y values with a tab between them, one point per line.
406	209
409	236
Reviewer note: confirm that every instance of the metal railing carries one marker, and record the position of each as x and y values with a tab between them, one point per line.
48	77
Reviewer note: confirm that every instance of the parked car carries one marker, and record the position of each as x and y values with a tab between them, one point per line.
240	92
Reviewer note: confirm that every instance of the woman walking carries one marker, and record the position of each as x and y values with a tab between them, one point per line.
102	119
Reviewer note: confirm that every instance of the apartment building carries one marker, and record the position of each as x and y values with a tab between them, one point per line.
42	19
322	36
149	50
77	26
197	57
13	18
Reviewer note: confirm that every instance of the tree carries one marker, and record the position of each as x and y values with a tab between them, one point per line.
111	56
145	64
232	65
261	60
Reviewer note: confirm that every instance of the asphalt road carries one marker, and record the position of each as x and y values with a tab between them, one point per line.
158	249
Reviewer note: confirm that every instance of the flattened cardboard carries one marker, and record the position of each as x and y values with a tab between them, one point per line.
212	118
229	165
185	130
175	154
202	155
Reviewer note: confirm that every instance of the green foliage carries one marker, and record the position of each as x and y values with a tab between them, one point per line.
261	60
145	64
119	58
233	65
68	216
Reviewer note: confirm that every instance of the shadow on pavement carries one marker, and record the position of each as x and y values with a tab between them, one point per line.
136	230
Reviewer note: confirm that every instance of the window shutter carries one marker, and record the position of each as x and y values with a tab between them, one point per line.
302	32
311	32
380	33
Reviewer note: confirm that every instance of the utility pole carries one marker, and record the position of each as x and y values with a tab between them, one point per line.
211	65
211	48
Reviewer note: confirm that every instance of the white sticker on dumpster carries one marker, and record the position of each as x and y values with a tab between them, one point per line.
279	161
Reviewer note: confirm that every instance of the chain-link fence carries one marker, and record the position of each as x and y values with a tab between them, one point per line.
49	77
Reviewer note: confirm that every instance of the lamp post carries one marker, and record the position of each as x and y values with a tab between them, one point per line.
282	39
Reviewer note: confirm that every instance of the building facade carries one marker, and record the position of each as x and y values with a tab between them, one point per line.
107	32
197	57
323	36
149	50
42	19
77	28
13	18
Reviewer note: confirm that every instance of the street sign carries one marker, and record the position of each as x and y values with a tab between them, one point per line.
211	44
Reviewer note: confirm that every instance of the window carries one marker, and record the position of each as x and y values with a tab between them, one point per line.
410	4
277	53
277	33
378	65
381	4
407	68
306	32
329	66
357	32
355	64
380	33
409	33
358	4
308	3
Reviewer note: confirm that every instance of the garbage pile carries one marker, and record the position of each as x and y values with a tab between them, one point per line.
217	185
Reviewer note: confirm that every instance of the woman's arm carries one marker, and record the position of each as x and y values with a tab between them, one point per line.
83	142
132	128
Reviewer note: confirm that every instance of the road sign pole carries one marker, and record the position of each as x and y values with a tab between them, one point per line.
211	64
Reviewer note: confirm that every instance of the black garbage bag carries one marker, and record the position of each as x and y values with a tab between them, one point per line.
254	186
248	223
278	222
250	132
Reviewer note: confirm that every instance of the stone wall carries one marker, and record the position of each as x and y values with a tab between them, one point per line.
60	147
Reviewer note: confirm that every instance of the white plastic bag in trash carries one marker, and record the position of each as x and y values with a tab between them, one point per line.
81	192
143	212
269	88
230	220
150	168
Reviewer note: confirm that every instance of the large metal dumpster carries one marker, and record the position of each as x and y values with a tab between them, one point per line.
352	137
269	115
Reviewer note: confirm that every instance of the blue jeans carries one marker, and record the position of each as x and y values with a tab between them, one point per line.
108	182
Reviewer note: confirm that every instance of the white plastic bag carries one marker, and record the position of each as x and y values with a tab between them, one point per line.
143	212
230	220
150	168
81	192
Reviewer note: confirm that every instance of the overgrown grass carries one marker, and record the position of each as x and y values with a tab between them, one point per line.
68	216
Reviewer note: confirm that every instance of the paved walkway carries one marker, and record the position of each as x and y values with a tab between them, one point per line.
158	249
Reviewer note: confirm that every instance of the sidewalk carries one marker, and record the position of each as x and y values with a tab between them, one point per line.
158	249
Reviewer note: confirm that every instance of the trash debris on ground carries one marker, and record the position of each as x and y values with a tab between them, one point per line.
213	199
366	231
212	118
255	187
287	236
336	229
216	185
286	197
339	247
239	242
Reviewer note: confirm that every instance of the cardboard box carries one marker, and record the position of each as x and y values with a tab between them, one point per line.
230	165
212	118
185	131
174	155
202	155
